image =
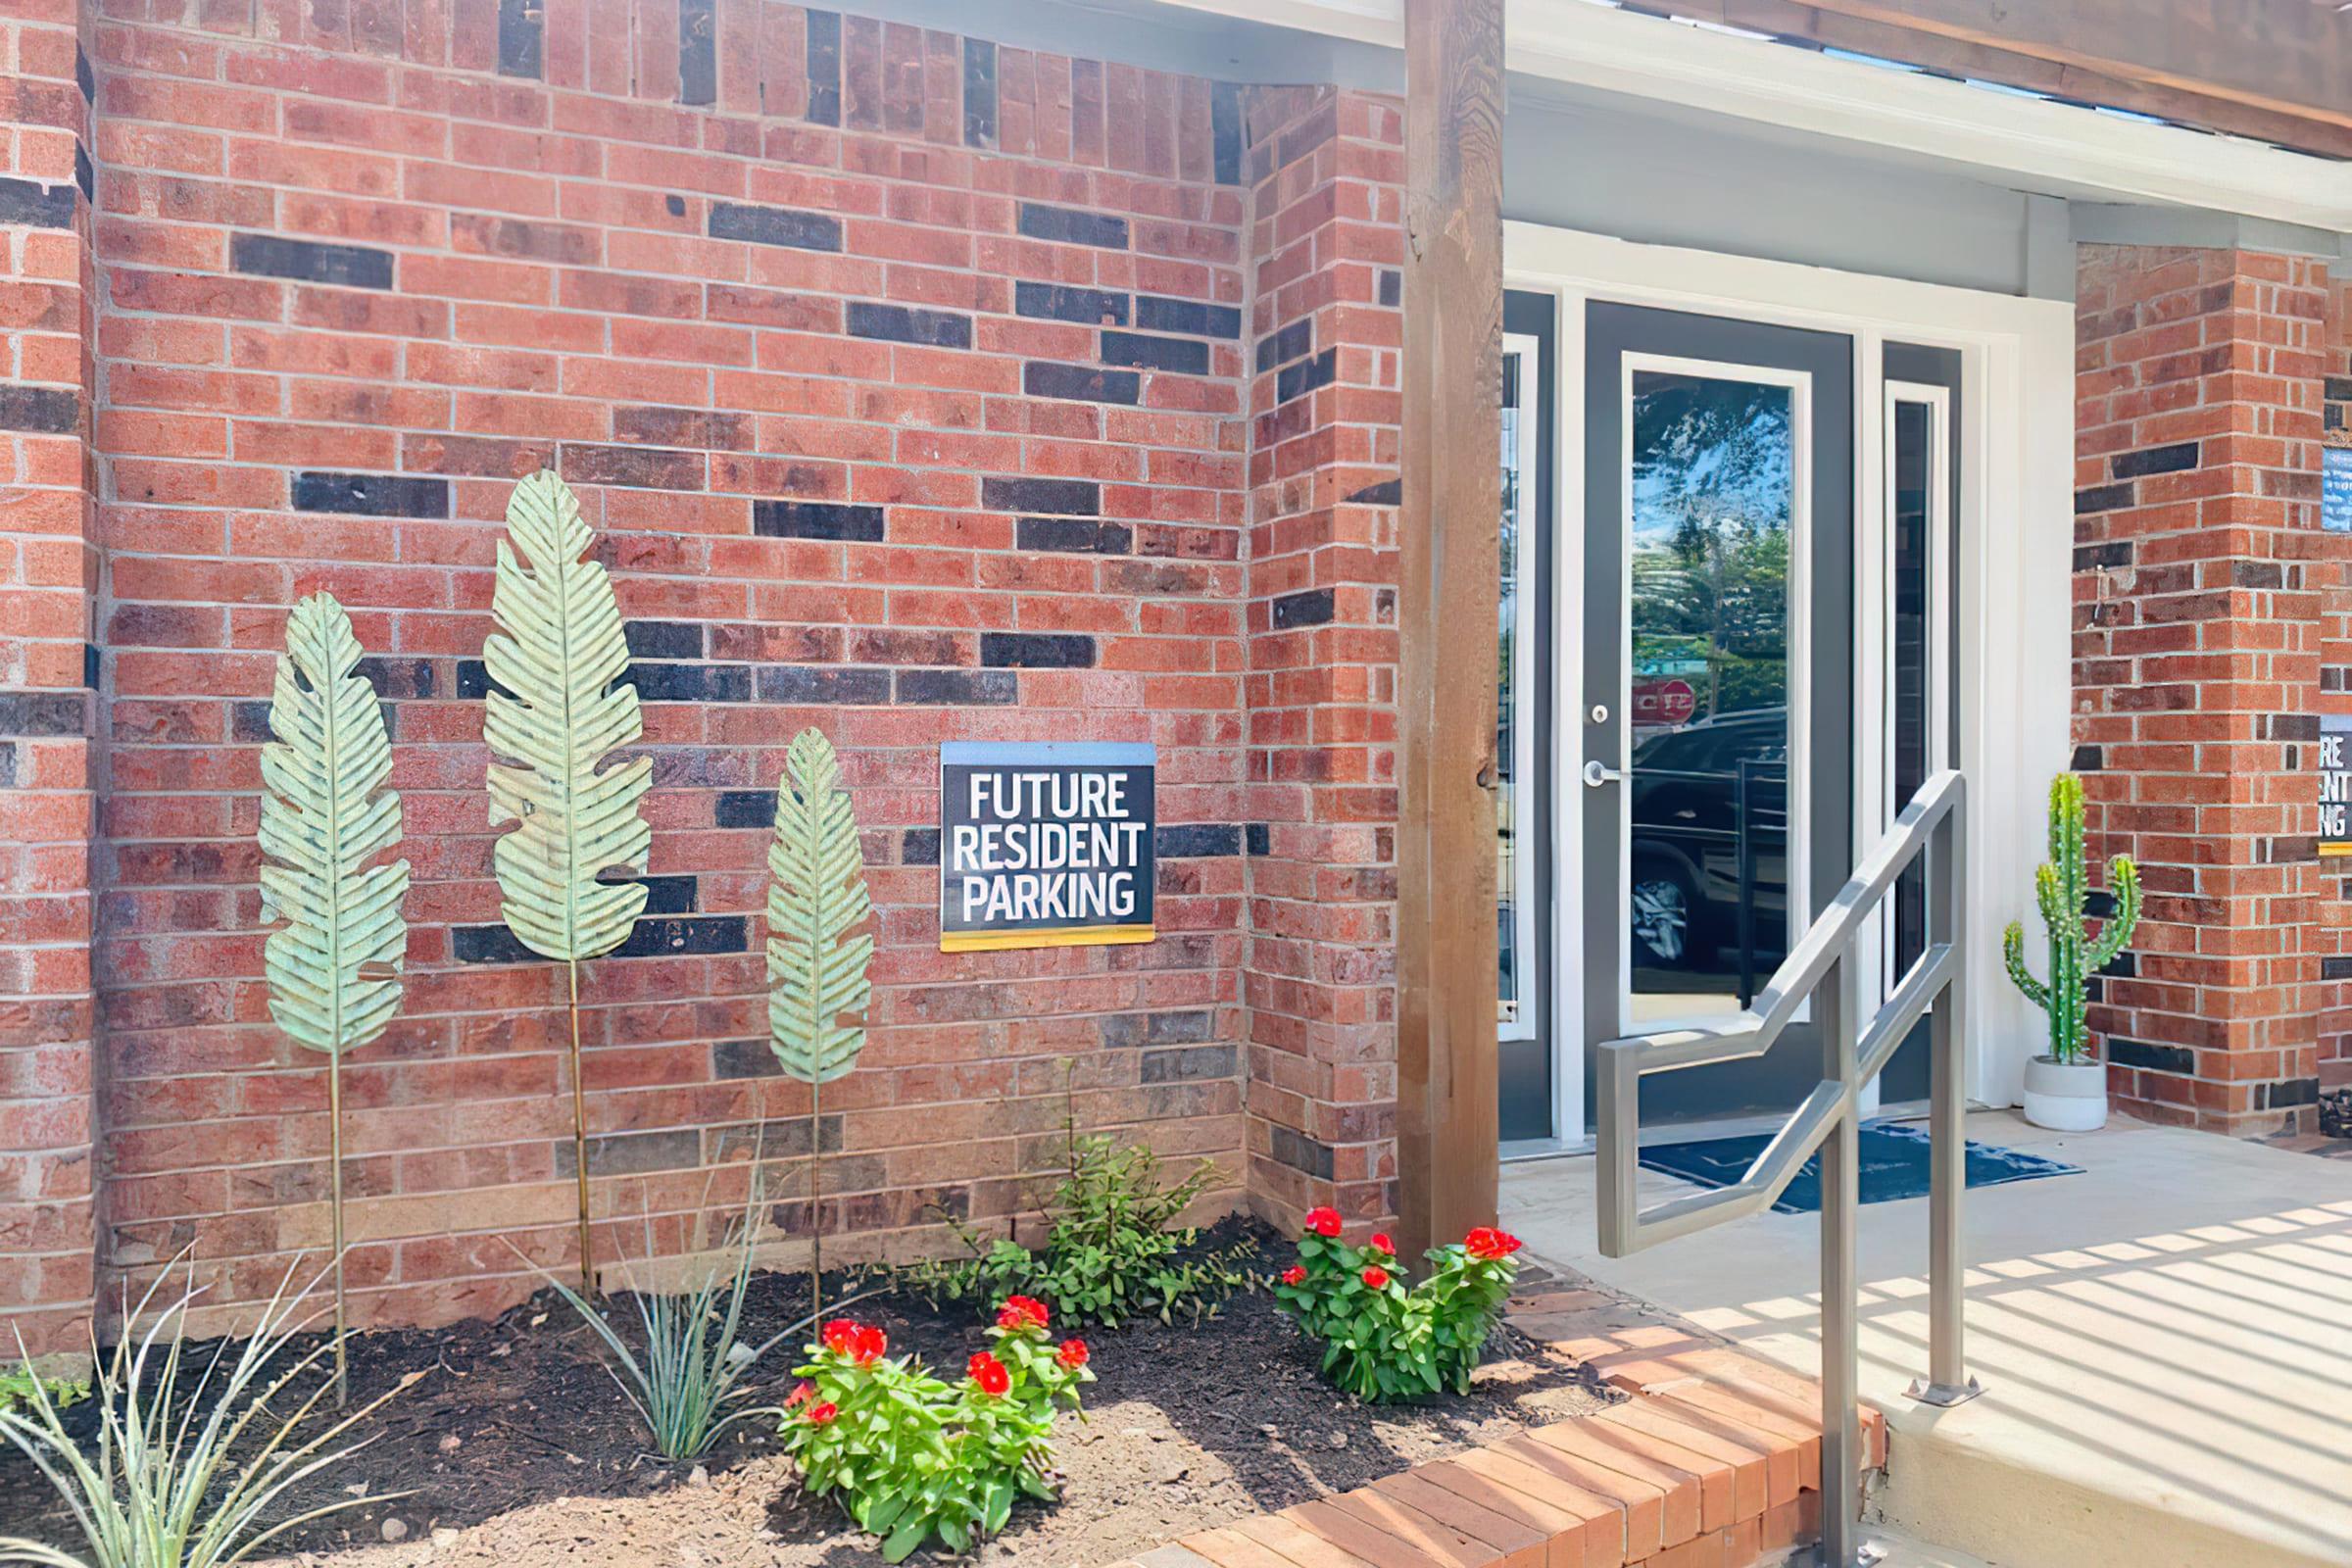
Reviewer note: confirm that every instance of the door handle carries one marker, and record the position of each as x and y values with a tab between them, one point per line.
1596	774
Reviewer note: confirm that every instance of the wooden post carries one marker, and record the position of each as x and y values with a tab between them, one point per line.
1450	585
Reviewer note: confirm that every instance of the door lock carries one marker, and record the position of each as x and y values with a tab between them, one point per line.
1598	773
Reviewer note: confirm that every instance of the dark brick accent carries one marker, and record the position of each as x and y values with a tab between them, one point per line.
776	226
744	809
249	723
1037	650
692	683
667	895
1083	383
904	323
2288	726
1073	226
1259	837
747	1058
634	1153
40	409
2102	498
1192	841
973	688
1124	1029
2174	458
683	935
2287	1092
813	684
23	201
654	425
1296	380
399	679
1294	1148
918	846
1292	342
520	49
1225	130
1182	355
2338	389
1387	493
488	944
1059	302
2336	967
1309	606
371	495
44	713
697	52
824	68
345	266
473	681
2255	575
979	93
7	764
817	519
1075	535
2086	759
1061	498
1392	286
2151	1058
630	467
1187	1064
664	639
1195	318
2114	554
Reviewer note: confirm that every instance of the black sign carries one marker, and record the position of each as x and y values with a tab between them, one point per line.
2335	785
1043	846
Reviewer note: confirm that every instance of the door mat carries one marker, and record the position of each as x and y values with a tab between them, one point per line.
1894	1165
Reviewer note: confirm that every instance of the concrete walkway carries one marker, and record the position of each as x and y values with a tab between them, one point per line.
2166	1339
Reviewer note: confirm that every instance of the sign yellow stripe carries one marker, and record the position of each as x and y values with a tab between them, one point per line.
1074	937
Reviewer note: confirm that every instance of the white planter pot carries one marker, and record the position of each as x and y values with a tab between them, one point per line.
2066	1096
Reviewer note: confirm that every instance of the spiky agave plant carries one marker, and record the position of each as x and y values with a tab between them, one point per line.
817	960
333	968
557	713
183	1475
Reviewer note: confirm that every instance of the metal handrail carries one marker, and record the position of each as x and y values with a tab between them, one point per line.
1817	971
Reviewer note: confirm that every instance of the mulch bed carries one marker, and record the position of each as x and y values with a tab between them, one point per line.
517	1451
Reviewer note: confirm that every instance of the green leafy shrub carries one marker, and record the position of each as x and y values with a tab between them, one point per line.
1383	1340
187	1471
909	1456
24	1385
1113	1250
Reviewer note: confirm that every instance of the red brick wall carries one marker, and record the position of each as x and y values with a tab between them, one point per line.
906	376
48	583
2197	668
1327	245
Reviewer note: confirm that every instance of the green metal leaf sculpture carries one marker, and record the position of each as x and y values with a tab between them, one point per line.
817	960
333	968
556	655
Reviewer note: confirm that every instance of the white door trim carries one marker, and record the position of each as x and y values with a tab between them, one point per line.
2015	525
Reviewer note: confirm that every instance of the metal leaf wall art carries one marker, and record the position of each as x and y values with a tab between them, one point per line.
818	959
555	714
333	968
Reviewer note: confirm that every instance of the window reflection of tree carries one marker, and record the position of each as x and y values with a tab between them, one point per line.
1711	489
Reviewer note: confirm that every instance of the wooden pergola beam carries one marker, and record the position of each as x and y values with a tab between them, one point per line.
1833	28
1450	585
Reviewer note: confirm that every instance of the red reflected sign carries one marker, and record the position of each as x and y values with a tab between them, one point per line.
1664	702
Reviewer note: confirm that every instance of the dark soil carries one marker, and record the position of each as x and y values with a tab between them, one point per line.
517	1450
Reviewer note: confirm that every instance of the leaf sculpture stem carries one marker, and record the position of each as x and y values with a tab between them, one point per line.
817	960
557	707
333	968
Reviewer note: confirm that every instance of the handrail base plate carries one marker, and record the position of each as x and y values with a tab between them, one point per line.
1945	1394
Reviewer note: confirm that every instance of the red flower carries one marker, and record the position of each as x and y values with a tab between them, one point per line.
1381	1244
1323	1221
1490	1244
801	1396
1296	1274
1377	1277
987	1372
1072	1354
1020	1312
868	1344
839	1334
821	1415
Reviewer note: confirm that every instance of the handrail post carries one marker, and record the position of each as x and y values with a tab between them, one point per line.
1840	1350
1947	1382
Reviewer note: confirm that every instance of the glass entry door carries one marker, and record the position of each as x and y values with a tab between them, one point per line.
1714	735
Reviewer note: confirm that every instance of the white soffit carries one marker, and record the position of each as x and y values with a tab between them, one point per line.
2031	140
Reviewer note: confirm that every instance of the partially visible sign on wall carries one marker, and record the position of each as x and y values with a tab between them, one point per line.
2335	489
2335	785
1045	845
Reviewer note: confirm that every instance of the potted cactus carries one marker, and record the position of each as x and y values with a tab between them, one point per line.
2066	1086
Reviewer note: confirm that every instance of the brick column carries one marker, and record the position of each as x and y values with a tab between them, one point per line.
2197	658
48	579
1319	978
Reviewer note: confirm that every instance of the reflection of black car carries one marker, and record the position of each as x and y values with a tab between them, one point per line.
1687	789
